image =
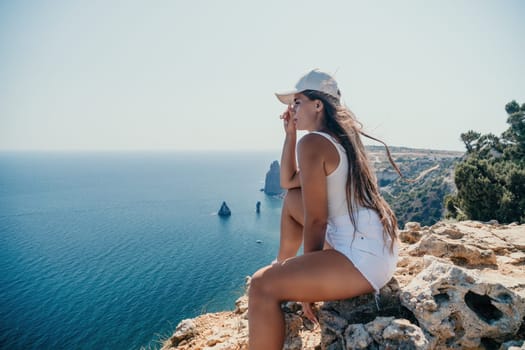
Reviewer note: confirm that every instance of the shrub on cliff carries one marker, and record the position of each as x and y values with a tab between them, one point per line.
490	179
421	201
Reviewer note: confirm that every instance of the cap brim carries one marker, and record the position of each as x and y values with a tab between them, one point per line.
286	97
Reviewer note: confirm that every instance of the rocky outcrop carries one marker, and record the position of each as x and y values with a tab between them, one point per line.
459	285
224	210
272	184
458	308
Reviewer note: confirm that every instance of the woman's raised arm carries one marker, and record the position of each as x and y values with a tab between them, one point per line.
315	198
289	170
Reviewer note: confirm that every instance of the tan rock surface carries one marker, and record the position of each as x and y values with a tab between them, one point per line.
493	253
458	308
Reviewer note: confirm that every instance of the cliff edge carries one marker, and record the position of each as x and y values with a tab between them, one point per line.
458	285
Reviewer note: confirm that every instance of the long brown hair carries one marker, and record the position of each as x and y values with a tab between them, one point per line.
361	185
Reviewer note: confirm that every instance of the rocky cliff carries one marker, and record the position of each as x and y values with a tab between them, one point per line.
458	285
272	183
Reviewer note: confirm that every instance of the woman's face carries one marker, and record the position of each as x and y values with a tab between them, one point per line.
306	114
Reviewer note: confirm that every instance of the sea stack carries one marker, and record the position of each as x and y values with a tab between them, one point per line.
258	207
224	211
272	185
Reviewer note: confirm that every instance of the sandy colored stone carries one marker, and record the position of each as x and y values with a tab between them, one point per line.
458	251
513	235
241	305
484	236
401	334
409	237
459	308
357	337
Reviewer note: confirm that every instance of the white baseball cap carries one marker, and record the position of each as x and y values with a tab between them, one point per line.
313	80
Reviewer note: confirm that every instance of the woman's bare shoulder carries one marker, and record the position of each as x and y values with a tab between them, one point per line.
315	143
312	140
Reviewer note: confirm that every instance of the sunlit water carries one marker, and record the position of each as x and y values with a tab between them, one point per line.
112	250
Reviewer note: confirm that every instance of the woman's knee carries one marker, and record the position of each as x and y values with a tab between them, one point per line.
259	285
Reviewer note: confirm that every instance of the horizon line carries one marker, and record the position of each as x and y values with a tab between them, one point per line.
189	150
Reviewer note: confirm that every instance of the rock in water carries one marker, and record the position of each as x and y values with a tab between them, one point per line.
272	185
224	211
258	207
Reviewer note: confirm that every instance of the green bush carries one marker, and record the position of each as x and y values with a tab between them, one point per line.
490	180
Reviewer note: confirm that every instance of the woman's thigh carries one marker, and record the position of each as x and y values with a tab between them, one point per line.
317	276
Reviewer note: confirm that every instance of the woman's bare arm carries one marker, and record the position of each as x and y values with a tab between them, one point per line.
315	198
289	170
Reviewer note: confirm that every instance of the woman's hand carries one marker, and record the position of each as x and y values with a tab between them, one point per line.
309	313
288	123
289	171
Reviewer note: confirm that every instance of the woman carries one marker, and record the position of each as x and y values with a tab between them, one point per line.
333	206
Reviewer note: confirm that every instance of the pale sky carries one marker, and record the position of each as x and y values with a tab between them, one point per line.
200	75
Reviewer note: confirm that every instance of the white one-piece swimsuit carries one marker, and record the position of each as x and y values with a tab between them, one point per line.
363	243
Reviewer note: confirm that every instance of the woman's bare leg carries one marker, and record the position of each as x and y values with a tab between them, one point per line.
321	275
292	219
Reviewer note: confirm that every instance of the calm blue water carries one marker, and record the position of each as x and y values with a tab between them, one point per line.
112	250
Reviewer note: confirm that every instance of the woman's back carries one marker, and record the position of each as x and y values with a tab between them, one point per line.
336	181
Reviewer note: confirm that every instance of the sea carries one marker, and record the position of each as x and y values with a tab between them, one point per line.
111	250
